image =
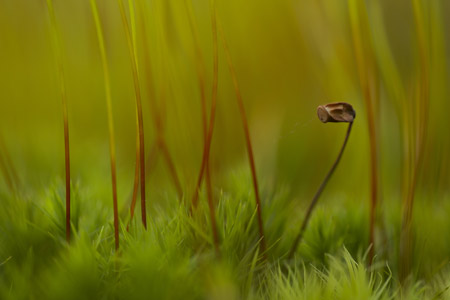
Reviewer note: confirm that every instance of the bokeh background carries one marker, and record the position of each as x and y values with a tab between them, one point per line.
290	56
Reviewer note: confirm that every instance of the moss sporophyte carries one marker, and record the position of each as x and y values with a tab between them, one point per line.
329	113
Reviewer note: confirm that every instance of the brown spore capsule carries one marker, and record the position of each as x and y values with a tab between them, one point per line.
336	112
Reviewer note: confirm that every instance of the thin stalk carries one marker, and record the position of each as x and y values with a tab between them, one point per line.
200	69
207	130
247	140
62	87
136	180
317	195
9	169
366	69
209	192
207	145
418	136
6	174
212	212
112	147
171	166
137	89
156	111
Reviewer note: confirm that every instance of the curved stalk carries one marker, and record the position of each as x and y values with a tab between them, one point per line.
207	130
137	89
112	147
62	87
207	145
325	117
7	167
248	143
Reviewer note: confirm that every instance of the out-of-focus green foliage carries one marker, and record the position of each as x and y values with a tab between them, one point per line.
290	57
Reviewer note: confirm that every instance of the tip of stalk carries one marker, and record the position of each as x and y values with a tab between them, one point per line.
336	112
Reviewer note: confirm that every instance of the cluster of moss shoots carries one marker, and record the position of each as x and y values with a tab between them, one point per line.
333	112
339	112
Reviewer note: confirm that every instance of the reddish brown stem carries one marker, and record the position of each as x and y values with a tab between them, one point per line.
171	167
112	147
199	63
207	145
8	168
62	88
67	167
248	143
6	174
373	182
135	186
158	117
140	119
207	131
212	210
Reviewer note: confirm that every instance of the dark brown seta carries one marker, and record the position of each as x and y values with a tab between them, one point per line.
333	112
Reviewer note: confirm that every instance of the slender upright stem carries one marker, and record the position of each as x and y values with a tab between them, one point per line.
212	212
207	131
200	68
112	147
317	195
4	169
135	181
247	141
62	87
366	70
137	89
171	166
158	117
7	166
417	139
207	145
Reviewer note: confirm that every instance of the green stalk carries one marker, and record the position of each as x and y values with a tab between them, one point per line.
62	87
137	89
418	137
367	78
8	169
112	148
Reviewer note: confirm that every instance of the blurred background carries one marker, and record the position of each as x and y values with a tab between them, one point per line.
290	56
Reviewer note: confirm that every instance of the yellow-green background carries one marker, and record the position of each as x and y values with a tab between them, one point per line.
290	57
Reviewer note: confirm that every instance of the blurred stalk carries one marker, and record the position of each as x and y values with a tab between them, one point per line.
62	87
134	66
439	93
394	85
368	81
135	181
248	143
5	172
158	116
209	191
200	70
112	147
7	168
418	136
